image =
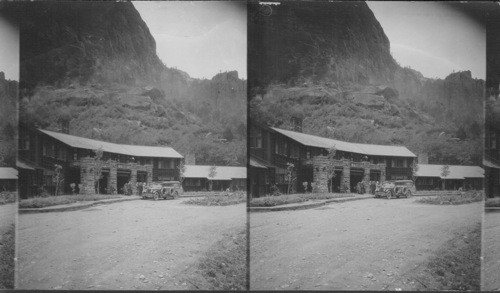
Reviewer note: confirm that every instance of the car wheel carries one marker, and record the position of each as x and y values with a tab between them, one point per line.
156	195
408	193
389	194
176	194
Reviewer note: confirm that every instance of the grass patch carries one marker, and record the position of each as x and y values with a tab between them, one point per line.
224	265
7	255
271	201
456	266
8	197
218	200
457	199
40	202
493	202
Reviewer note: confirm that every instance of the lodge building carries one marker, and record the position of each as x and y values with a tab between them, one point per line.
430	177
40	150
271	149
198	178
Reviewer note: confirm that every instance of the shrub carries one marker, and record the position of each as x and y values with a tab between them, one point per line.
493	202
219	200
270	201
454	199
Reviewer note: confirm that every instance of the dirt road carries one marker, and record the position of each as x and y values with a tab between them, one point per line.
490	278
371	244
7	245
131	245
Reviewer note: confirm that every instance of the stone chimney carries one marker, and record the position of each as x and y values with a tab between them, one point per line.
64	125
423	158
189	159
297	124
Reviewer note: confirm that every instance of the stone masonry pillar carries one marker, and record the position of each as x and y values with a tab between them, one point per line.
149	170
320	175
345	183
366	176
382	172
133	178
86	179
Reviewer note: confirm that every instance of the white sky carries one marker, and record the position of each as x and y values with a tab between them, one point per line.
201	38
9	50
433	39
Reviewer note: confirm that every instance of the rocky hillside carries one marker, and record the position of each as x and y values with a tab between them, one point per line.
8	110
94	65
330	64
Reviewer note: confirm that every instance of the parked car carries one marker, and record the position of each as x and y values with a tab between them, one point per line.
165	190
397	188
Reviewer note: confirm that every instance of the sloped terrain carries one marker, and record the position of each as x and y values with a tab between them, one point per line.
94	66
335	72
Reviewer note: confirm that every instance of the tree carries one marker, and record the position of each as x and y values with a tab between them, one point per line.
211	174
445	171
182	170
290	176
58	178
330	167
414	170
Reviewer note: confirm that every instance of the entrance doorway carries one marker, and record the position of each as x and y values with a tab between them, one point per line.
142	176
122	177
336	182
103	182
356	176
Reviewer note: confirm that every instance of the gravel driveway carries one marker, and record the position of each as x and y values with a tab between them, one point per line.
491	252
131	245
371	244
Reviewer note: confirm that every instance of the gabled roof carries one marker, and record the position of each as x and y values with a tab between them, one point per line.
8	173
456	172
123	149
360	148
221	172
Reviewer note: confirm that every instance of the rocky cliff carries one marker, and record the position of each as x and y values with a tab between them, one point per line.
329	63
94	65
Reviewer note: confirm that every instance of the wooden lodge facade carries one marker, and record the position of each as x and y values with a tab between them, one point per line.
271	149
429	177
41	150
198	178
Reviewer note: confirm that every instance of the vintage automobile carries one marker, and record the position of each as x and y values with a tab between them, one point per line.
397	188
165	190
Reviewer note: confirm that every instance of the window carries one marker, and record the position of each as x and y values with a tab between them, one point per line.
308	154
256	139
294	151
398	163
166	164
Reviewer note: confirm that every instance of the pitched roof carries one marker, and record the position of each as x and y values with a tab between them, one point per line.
360	148
124	149
8	173
456	172
221	172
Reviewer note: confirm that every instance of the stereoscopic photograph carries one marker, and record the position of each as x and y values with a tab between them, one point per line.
365	145
132	145
246	145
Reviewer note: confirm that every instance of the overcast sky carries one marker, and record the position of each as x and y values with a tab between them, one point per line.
200	38
431	38
9	50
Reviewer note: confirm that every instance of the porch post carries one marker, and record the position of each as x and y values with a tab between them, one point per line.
113	176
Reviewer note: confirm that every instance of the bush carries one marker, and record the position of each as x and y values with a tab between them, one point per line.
219	200
270	201
40	202
493	202
454	199
8	197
